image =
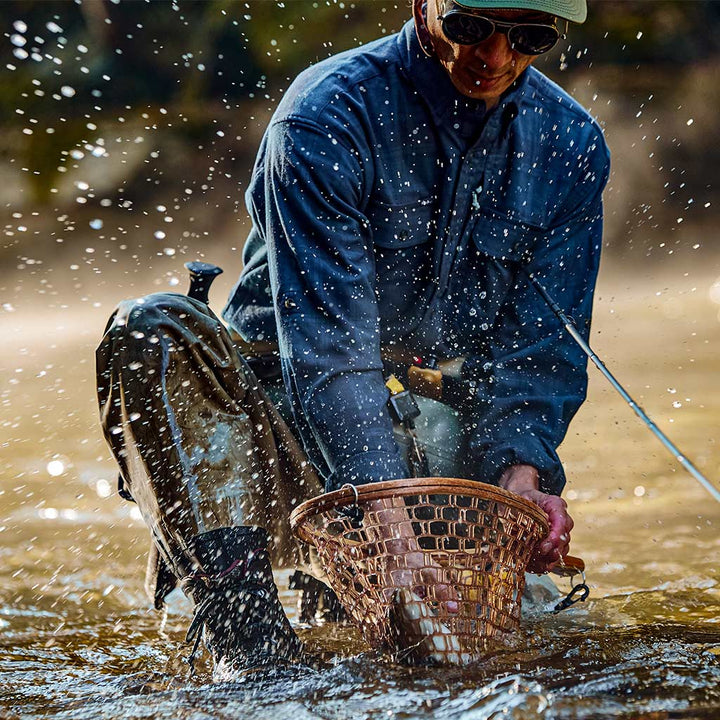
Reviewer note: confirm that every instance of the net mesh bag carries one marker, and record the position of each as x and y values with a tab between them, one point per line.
429	569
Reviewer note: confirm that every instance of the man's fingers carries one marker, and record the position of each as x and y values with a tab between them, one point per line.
557	542
560	522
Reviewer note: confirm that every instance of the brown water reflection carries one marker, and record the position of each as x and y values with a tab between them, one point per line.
78	640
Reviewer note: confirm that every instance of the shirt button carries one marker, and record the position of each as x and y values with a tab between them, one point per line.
403	235
290	304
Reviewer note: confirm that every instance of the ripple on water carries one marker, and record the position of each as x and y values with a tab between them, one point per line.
555	667
77	641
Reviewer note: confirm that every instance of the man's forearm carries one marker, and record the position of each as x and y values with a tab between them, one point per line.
519	478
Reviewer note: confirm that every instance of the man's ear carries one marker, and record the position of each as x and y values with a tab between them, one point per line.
421	28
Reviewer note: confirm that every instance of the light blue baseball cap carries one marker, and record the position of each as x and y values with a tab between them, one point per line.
573	10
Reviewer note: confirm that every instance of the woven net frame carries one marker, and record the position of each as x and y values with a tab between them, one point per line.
429	569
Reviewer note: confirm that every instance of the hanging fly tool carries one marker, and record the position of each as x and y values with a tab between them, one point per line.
571	567
404	410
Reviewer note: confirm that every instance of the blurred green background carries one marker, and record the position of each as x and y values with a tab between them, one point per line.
112	109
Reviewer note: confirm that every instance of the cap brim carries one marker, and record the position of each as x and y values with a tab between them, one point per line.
572	10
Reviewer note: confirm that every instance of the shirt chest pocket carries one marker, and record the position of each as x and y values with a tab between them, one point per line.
402	242
503	237
397	227
498	245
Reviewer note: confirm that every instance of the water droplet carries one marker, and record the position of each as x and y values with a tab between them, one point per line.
55	468
103	488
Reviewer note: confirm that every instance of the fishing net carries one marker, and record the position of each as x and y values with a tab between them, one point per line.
429	569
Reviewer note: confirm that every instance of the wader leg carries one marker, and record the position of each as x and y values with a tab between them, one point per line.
201	448
199	444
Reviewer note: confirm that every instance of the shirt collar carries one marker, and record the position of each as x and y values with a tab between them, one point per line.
433	84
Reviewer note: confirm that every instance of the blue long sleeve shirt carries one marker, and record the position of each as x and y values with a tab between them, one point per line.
388	209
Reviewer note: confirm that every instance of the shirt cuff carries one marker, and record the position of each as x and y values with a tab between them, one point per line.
367	467
495	460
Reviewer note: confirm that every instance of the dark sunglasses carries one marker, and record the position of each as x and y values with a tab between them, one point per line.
465	28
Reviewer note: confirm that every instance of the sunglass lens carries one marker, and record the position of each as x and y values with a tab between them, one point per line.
465	29
533	39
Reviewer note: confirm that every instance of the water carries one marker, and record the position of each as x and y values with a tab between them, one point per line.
79	641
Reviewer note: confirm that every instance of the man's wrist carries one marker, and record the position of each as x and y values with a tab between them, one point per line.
520	479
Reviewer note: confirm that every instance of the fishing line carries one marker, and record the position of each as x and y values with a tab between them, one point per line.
600	365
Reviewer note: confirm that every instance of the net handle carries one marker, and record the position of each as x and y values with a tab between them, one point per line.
569	566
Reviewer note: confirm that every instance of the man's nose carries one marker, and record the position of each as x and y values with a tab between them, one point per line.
495	52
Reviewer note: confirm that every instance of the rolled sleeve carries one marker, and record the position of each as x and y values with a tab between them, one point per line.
322	276
536	377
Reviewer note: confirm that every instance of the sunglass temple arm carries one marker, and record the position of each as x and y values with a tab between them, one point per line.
578	338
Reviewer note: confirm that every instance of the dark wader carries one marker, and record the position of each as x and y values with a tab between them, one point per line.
199	443
206	457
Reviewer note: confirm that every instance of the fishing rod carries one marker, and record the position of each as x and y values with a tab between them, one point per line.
600	365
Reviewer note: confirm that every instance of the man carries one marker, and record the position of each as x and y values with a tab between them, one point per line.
401	193
398	191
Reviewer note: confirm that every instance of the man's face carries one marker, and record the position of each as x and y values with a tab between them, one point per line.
486	70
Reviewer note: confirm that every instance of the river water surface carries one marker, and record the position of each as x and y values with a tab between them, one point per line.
79	640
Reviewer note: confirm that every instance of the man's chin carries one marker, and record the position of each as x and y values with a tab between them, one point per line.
488	92
490	99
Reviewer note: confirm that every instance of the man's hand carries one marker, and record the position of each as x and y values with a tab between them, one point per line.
523	480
